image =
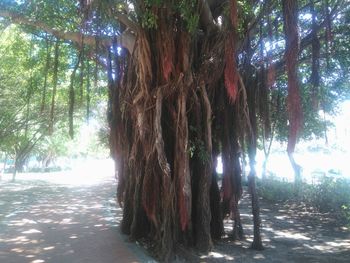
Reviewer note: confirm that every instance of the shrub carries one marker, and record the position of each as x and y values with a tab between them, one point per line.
273	189
330	195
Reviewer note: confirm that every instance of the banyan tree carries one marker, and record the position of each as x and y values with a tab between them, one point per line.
189	81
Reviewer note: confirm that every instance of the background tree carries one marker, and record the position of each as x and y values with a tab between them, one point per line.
39	78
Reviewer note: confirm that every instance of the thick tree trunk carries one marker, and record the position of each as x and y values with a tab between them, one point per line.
160	115
164	198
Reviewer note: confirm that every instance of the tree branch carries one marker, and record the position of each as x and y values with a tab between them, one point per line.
126	39
307	40
216	7
206	17
122	18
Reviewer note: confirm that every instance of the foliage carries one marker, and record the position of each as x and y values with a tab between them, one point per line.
275	190
334	66
26	92
149	20
328	195
20	123
334	72
187	10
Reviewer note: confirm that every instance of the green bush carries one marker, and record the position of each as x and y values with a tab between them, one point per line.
272	189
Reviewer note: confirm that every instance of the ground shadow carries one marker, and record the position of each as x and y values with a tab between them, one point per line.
45	222
289	235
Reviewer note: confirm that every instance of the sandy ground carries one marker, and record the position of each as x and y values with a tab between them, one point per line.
56	219
290	234
72	217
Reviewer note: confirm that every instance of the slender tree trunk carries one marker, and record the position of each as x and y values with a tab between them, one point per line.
290	13
54	89
46	73
232	170
14	173
267	152
3	167
216	224
202	225
88	95
251	84
296	168
257	242
72	98
5	163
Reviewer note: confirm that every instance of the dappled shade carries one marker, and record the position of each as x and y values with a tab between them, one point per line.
45	222
187	81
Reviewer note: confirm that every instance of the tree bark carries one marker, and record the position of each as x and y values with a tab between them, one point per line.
290	13
251	87
202	222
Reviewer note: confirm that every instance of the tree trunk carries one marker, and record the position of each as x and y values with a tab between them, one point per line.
251	85
14	173
264	168
232	189
297	169
54	89
290	14
203	214
216	224
5	163
257	243
167	196
162	134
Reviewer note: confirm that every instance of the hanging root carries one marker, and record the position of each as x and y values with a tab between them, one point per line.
315	75
72	98
181	163
231	73
55	79
290	13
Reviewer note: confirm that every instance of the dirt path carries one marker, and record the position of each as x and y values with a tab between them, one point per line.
49	222
43	222
289	235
